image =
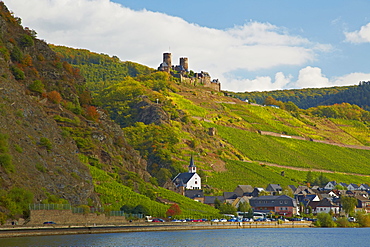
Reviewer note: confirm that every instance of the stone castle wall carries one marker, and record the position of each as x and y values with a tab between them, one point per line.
205	81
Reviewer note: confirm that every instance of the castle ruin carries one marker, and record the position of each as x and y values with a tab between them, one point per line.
182	71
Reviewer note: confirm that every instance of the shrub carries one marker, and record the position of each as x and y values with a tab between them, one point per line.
18	73
16	54
55	97
92	113
45	142
26	41
37	86
325	220
6	161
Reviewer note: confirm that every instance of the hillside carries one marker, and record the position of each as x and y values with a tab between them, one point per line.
313	97
56	146
167	121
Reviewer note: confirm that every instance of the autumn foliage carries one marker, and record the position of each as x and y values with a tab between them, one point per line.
92	113
54	97
173	210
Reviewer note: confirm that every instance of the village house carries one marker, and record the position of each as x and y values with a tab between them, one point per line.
353	187
243	190
364	187
363	203
325	205
274	189
280	205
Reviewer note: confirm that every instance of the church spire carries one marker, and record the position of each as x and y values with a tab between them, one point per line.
192	167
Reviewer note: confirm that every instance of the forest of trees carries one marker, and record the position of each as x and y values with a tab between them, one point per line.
312	97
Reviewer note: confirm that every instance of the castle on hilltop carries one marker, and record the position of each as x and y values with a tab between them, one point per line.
182	71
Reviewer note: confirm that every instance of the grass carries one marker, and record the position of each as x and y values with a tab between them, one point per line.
296	153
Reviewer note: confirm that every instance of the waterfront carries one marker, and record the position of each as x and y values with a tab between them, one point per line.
221	237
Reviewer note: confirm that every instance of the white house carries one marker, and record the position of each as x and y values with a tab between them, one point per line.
189	180
325	205
330	185
353	187
364	187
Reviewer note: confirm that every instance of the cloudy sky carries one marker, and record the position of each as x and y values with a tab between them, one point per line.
248	45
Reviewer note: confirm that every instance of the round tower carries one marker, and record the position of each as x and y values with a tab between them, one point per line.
167	59
184	62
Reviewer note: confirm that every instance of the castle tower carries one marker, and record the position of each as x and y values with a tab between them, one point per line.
167	59
184	62
192	167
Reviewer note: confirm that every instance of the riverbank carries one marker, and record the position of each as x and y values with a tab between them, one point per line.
19	231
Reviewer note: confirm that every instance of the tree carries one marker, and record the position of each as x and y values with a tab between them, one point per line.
348	204
173	210
325	220
309	177
290	106
217	203
244	207
227	208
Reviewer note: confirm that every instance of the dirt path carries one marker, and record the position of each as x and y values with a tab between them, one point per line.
305	169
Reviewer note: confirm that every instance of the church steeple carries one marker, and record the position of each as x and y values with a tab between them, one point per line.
192	167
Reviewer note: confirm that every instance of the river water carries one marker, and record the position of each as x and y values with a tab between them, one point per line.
226	237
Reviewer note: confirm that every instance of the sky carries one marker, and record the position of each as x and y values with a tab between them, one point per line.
248	45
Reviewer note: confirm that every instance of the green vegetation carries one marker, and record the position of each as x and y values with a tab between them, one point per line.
15	202
296	153
45	142
117	195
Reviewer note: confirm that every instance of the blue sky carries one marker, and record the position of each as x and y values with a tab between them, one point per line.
249	45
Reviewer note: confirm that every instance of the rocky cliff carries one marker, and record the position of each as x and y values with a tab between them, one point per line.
49	129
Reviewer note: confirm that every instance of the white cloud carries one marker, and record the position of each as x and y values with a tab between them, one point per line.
142	36
308	77
360	36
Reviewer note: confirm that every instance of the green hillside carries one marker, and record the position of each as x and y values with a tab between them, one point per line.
167	121
313	97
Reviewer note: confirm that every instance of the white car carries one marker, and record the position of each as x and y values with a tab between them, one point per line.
215	220
223	220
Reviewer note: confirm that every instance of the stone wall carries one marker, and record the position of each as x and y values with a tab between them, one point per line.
66	217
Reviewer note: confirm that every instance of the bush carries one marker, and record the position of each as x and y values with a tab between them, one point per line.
45	142
18	73
55	97
16	55
325	220
6	161
26	41
37	86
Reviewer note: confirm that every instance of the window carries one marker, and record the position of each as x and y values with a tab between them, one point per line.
196	182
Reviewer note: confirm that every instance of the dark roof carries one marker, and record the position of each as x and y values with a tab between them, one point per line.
245	188
192	162
194	193
230	195
274	187
354	186
211	199
326	203
272	201
292	187
183	178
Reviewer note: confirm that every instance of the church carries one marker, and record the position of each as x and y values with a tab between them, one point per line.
188	180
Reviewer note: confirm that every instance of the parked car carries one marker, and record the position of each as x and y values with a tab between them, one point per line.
176	221
49	223
223	220
157	220
215	220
